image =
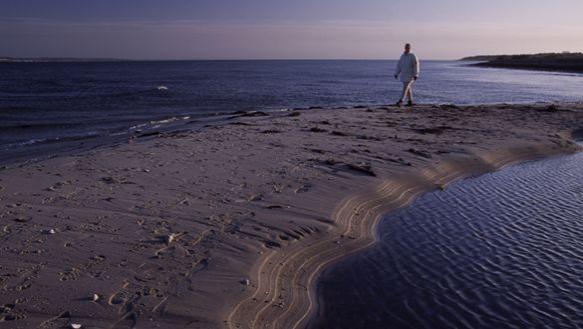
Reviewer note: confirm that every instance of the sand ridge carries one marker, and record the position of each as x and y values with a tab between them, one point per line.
228	227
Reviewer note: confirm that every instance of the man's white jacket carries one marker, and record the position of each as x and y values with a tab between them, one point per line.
407	67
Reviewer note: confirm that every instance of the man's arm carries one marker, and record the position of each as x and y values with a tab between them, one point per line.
416	68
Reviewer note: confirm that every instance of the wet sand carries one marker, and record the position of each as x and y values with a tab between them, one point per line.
229	226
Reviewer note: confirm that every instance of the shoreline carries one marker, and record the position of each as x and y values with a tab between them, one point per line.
194	228
81	145
367	208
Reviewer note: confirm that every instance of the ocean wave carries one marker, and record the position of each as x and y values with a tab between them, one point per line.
50	140
80	94
40	125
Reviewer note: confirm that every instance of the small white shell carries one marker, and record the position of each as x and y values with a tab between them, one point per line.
49	231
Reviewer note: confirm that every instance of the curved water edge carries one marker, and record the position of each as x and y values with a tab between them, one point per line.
285	294
497	251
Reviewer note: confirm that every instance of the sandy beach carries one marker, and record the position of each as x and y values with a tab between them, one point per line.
229	226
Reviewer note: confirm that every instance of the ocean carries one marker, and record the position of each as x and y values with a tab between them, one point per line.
45	107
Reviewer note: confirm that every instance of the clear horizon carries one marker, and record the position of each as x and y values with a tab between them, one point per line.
261	29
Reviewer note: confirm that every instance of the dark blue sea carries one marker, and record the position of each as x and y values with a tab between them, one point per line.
44	106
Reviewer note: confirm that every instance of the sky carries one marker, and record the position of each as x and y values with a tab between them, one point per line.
286	29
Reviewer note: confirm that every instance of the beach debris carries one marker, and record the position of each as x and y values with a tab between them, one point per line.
434	130
255	197
317	130
76	326
245	282
57	186
171	237
363	167
551	108
149	134
95	297
317	151
369	138
449	107
331	162
162	88
278	188
49	231
271	131
272	244
108	180
7	313
251	114
339	133
303	188
294	114
239	124
275	206
23	219
419	153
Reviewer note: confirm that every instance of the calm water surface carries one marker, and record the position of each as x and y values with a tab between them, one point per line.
48	104
504	250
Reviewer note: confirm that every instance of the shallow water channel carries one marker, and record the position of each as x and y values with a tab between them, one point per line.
504	250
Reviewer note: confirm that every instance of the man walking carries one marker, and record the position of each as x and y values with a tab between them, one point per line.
408	70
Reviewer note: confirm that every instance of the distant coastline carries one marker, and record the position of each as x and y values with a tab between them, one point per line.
564	62
57	60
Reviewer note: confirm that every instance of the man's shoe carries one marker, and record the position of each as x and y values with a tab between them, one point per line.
410	103
399	103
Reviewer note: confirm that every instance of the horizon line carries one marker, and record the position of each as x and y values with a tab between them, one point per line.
115	59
